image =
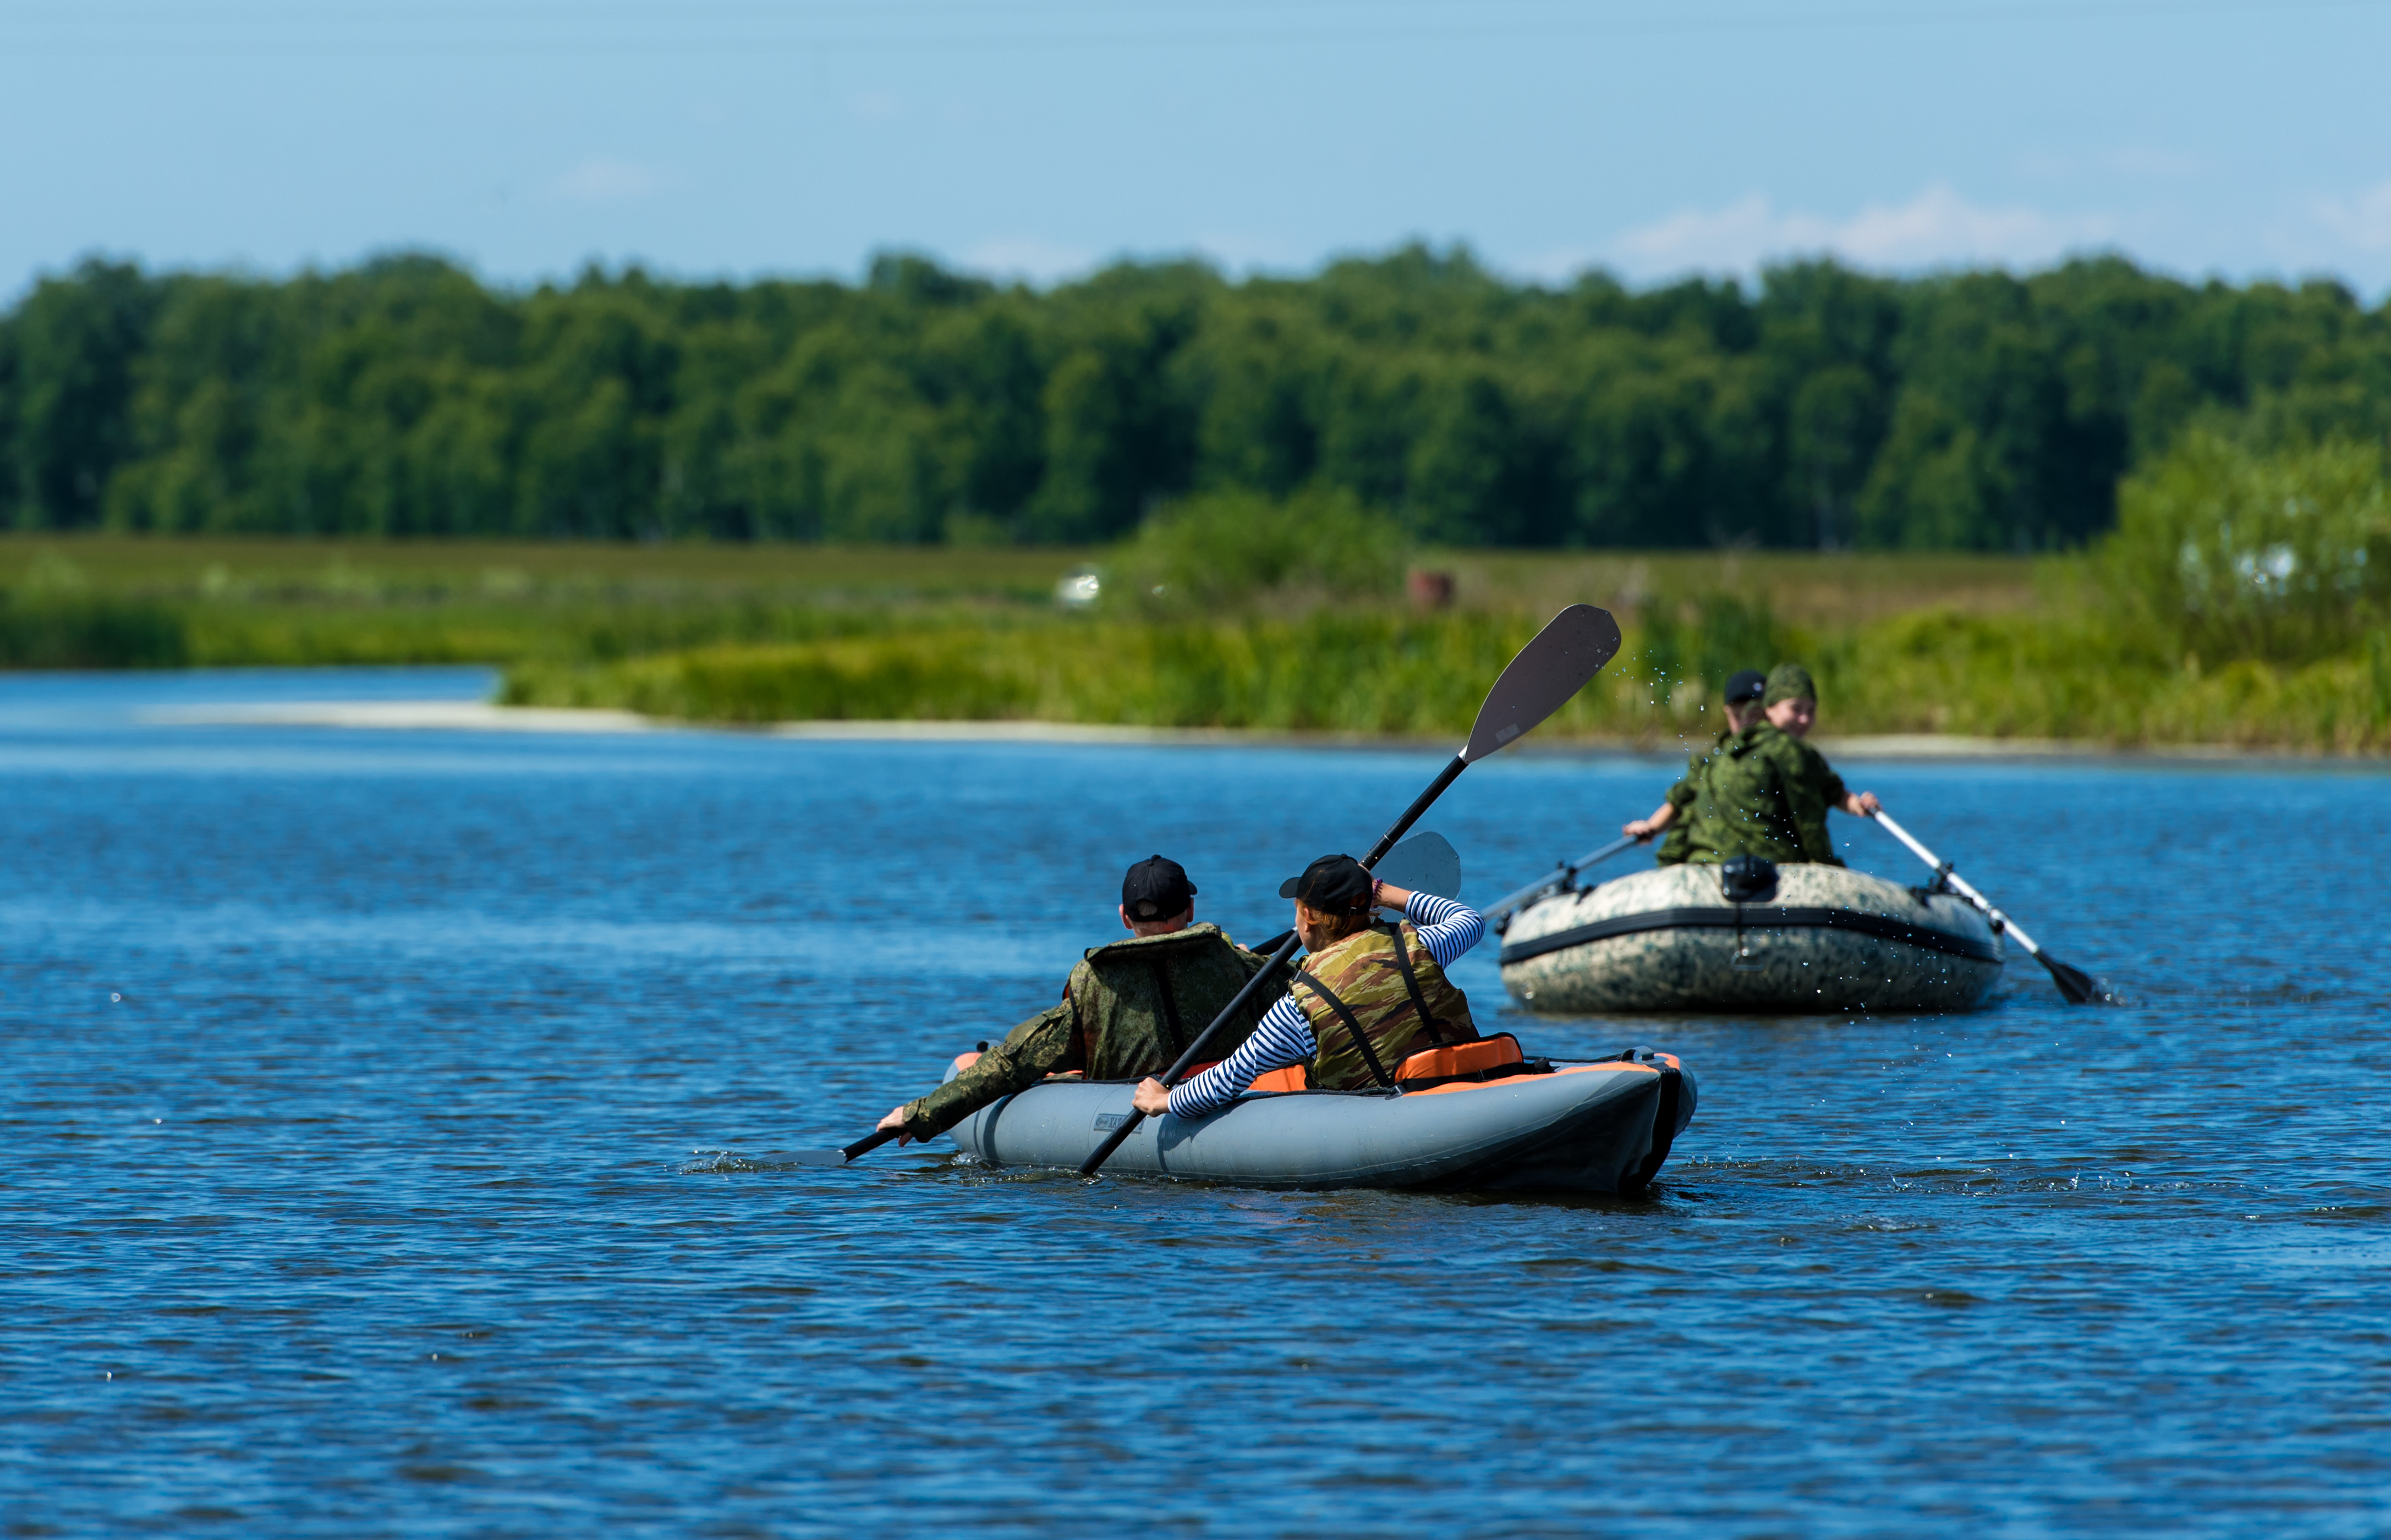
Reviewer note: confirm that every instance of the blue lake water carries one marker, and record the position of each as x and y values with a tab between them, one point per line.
387	1148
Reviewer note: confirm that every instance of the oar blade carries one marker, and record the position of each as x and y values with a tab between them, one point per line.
1424	863
815	1157
1550	669
2079	987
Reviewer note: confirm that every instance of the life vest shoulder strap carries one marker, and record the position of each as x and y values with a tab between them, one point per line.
1429	1022
1352	1025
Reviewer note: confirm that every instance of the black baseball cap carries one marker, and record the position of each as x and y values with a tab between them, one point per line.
1156	887
1746	685
1333	884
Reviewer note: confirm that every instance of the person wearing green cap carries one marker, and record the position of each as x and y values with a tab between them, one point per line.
1765	792
1744	688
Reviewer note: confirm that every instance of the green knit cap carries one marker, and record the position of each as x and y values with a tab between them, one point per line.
1788	682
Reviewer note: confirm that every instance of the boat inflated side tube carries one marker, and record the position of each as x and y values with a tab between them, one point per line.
1578	1128
1822	938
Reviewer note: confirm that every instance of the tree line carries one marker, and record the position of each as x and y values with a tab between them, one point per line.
1818	407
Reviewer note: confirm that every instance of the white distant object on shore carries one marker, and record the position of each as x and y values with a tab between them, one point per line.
1082	588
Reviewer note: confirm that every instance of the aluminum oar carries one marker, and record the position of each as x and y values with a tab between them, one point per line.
1559	877
2079	987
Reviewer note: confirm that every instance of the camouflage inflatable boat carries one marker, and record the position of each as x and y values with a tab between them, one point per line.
1752	937
1601	1128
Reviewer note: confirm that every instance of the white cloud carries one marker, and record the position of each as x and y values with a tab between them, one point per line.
2363	220
1031	261
1937	228
600	180
1245	253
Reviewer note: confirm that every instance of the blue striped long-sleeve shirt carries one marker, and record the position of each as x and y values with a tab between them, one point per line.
1446	928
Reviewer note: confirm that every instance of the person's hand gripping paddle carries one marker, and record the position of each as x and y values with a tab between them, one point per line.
1548	671
2079	987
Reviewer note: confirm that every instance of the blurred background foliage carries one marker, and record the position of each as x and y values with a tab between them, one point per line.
2275	554
2092	504
1227	549
1820	408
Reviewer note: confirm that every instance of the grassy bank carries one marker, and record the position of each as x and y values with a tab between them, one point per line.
113	602
2021	674
1979	646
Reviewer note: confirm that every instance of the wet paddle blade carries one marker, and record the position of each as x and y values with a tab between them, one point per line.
815	1157
1424	863
2080	987
1549	670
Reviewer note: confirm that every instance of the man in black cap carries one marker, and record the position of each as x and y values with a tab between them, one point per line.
1129	1010
1744	689
1366	997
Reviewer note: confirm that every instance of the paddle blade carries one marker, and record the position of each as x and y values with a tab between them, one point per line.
1424	863
815	1157
1549	670
2080	987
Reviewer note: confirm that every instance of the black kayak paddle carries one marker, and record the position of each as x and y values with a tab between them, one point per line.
1554	665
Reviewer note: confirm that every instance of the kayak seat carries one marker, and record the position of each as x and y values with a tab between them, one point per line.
1487	1058
1292	1078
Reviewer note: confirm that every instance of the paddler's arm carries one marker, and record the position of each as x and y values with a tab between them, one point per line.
1805	787
1859	805
1673	806
1644	829
1043	1045
1283	1038
1447	929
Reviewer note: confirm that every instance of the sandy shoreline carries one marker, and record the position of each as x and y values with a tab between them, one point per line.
485	717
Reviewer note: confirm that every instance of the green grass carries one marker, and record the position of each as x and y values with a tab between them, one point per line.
2015	675
1980	645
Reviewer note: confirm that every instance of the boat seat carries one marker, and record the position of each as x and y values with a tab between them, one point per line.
1292	1078
1462	1058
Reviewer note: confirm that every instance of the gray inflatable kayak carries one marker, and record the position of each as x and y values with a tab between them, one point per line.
1602	1127
1822	938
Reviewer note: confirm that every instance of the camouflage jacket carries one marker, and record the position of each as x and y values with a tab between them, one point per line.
1674	847
1363	972
1129	1010
1764	793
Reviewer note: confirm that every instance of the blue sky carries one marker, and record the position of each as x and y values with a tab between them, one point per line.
1041	137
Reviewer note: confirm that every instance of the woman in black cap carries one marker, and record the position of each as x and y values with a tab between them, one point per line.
1368	996
1129	1008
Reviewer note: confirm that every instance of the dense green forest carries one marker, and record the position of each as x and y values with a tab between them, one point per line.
1822	408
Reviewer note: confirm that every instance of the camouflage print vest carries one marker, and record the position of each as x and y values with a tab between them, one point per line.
1138	1002
1366	973
1764	793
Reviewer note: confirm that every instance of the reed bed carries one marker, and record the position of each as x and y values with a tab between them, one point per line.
1990	647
